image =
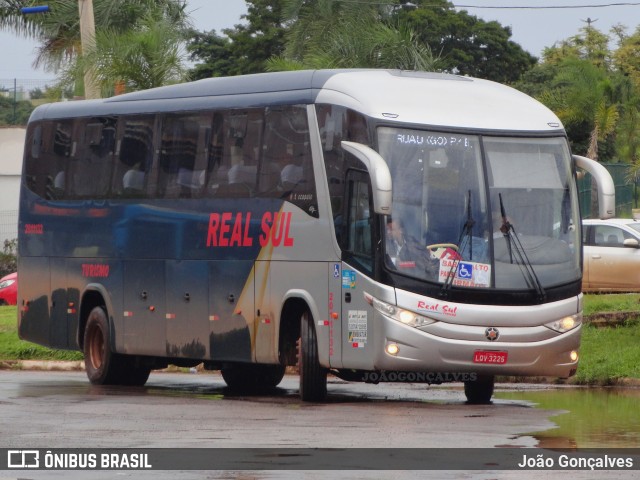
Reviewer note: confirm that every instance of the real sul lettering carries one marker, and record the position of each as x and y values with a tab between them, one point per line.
234	230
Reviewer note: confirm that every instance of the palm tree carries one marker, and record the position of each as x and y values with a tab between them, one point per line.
329	34
146	56
59	30
582	95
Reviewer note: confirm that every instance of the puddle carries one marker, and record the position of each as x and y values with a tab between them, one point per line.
588	417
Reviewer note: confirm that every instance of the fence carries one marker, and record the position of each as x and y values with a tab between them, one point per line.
18	97
626	198
8	225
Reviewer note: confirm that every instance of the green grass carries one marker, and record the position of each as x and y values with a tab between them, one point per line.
609	354
624	302
12	348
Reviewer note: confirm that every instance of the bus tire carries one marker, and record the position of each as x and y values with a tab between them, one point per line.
313	377
479	391
132	374
252	378
101	364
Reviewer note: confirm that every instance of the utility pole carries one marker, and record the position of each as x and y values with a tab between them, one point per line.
87	38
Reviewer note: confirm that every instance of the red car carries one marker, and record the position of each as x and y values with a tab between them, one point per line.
9	289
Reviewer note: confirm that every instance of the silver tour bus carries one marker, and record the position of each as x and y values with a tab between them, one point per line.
376	225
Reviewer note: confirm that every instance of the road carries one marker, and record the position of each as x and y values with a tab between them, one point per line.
62	410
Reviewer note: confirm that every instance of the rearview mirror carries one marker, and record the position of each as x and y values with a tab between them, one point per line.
378	172
606	188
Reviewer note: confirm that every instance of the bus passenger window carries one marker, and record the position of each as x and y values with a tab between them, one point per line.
286	169
42	165
337	123
89	172
233	164
134	158
183	155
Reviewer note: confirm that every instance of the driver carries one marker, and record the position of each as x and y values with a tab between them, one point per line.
404	253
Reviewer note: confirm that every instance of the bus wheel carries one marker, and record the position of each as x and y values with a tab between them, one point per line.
479	391
100	362
132	374
252	378
313	377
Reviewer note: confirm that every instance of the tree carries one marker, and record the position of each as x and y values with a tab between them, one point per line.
465	44
146	56
581	95
627	57
59	32
242	49
14	113
592	90
329	34
8	259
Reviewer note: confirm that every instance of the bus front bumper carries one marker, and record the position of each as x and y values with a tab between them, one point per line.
417	351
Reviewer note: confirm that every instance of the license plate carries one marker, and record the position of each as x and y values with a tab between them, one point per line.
489	356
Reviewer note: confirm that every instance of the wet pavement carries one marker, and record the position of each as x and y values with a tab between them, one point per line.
591	417
182	410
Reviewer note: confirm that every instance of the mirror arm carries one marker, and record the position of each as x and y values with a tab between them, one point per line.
606	188
378	172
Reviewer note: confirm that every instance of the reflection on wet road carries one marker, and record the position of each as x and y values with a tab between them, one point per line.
593	417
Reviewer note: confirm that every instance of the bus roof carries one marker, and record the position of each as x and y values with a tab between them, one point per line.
435	99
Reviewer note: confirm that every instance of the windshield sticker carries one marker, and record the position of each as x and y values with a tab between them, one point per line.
357	322
465	274
348	279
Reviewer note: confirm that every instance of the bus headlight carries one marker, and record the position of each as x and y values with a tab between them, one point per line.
565	324
407	317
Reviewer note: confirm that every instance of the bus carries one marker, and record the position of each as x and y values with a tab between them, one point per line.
375	225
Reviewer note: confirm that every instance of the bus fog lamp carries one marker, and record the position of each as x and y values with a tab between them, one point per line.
392	349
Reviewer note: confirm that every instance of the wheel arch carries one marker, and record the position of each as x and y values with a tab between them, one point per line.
94	295
294	304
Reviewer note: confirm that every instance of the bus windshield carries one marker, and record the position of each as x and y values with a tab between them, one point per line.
477	211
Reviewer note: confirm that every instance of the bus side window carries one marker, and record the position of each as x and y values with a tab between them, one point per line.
286	169
338	123
236	144
89	172
183	155
281	168
359	231
57	147
134	157
41	164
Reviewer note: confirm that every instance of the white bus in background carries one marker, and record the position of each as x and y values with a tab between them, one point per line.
372	224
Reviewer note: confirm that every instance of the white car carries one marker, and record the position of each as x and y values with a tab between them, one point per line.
611	255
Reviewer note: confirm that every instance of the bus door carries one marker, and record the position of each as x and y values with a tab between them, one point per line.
357	270
187	309
144	307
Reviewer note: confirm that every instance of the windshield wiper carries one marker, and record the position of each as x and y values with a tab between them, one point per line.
516	249
465	238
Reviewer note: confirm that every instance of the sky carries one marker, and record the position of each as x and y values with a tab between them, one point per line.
533	29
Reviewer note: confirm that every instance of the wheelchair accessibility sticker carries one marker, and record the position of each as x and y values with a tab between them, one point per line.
465	271
465	274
